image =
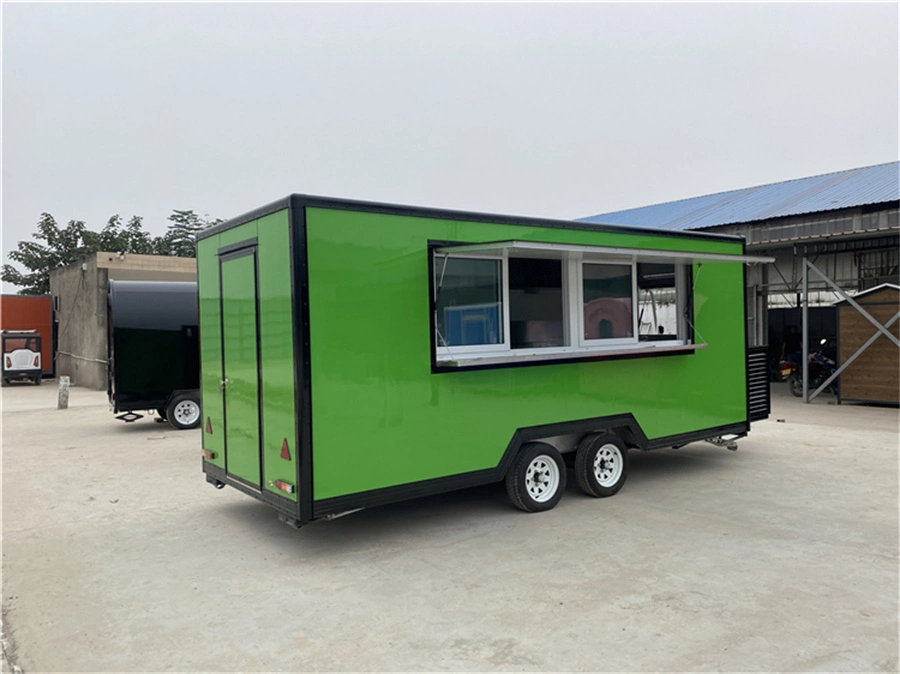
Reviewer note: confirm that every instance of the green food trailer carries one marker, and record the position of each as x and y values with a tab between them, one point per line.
355	354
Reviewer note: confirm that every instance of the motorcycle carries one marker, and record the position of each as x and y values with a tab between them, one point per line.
821	367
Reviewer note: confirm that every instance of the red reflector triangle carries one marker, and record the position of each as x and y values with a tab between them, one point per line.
285	452
208	426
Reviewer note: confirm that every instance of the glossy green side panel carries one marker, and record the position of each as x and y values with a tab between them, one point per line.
211	335
240	234
210	349
277	350
381	418
239	339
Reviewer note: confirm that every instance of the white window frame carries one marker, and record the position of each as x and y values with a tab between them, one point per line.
453	352
566	304
575	346
613	341
682	324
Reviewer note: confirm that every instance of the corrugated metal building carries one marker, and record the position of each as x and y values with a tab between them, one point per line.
845	223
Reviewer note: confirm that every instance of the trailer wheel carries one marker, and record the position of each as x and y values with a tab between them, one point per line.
184	411
601	464
37	380
537	479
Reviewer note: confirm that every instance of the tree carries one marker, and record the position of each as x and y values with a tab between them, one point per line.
61	246
56	247
130	238
181	235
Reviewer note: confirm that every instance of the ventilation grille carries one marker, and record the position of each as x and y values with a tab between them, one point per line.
758	401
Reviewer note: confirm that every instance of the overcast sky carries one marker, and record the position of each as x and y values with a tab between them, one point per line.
555	110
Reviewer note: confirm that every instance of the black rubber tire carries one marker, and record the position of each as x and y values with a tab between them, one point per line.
795	384
585	457
162	413
174	419
37	380
516	478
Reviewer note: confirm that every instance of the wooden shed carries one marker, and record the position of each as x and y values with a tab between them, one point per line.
875	375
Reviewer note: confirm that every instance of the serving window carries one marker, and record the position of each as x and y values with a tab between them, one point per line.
501	304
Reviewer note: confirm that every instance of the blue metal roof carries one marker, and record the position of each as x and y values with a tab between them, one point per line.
828	192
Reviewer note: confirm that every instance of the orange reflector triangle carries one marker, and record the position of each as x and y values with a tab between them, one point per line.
285	452
208	426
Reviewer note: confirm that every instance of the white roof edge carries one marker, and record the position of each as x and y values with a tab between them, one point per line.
636	253
869	292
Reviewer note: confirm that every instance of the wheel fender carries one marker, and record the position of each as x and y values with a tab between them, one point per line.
189	391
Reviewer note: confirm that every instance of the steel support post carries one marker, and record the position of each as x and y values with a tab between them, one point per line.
881	330
804	302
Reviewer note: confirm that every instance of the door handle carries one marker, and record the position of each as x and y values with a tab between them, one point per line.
223	384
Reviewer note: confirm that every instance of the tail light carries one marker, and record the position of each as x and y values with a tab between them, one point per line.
8	363
37	361
286	487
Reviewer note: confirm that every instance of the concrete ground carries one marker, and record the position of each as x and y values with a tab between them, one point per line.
117	556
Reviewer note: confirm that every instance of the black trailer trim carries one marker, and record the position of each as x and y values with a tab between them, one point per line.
245	248
149	405
674	441
746	337
302	358
625	425
215	474
240	245
249	216
432	309
237	479
312	201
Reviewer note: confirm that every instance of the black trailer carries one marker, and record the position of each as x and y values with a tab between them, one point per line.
154	357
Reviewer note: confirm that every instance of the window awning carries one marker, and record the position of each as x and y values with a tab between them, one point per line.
589	253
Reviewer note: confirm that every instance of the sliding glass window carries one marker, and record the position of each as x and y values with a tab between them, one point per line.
468	301
607	302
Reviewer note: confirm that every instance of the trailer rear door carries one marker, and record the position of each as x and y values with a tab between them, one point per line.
240	365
